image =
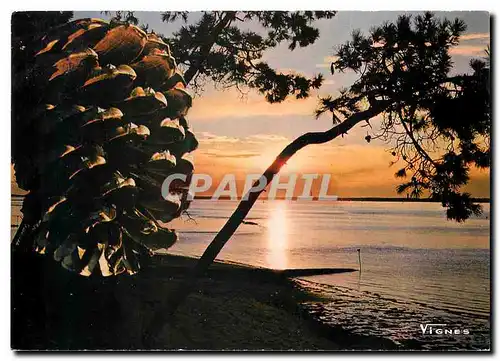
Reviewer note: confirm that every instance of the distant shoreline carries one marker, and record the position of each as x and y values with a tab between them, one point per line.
360	199
340	199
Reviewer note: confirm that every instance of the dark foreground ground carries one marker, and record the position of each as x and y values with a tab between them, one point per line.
235	307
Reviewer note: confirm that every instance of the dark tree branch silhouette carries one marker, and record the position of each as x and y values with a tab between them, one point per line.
437	124
165	311
404	78
217	48
88	91
207	44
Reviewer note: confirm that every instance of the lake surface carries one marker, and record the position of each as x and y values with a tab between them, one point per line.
416	267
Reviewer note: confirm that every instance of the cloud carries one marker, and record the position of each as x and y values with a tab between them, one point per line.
473	44
267	138
479	40
476	36
329	82
231	155
355	169
210	138
231	104
207	137
327	61
468	50
330	59
244	147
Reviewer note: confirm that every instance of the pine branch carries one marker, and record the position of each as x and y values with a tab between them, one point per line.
207	46
165	312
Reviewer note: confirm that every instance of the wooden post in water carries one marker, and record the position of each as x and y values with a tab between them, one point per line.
359	258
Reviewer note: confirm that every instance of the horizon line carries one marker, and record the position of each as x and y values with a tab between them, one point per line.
366	199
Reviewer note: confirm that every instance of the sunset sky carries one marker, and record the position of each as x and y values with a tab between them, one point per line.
244	134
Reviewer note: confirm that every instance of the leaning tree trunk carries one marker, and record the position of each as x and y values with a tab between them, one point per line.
98	124
165	312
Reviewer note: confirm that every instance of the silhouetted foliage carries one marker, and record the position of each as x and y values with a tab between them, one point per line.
218	48
124	16
437	124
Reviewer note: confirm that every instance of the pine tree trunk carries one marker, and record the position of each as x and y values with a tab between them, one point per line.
166	312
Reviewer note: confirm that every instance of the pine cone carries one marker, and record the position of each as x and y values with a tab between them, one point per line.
99	112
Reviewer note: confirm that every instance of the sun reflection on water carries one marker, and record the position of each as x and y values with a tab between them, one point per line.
277	240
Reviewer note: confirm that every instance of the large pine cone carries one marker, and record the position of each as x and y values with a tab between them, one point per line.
99	124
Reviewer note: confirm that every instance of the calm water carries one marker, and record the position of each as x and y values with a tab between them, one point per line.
416	266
